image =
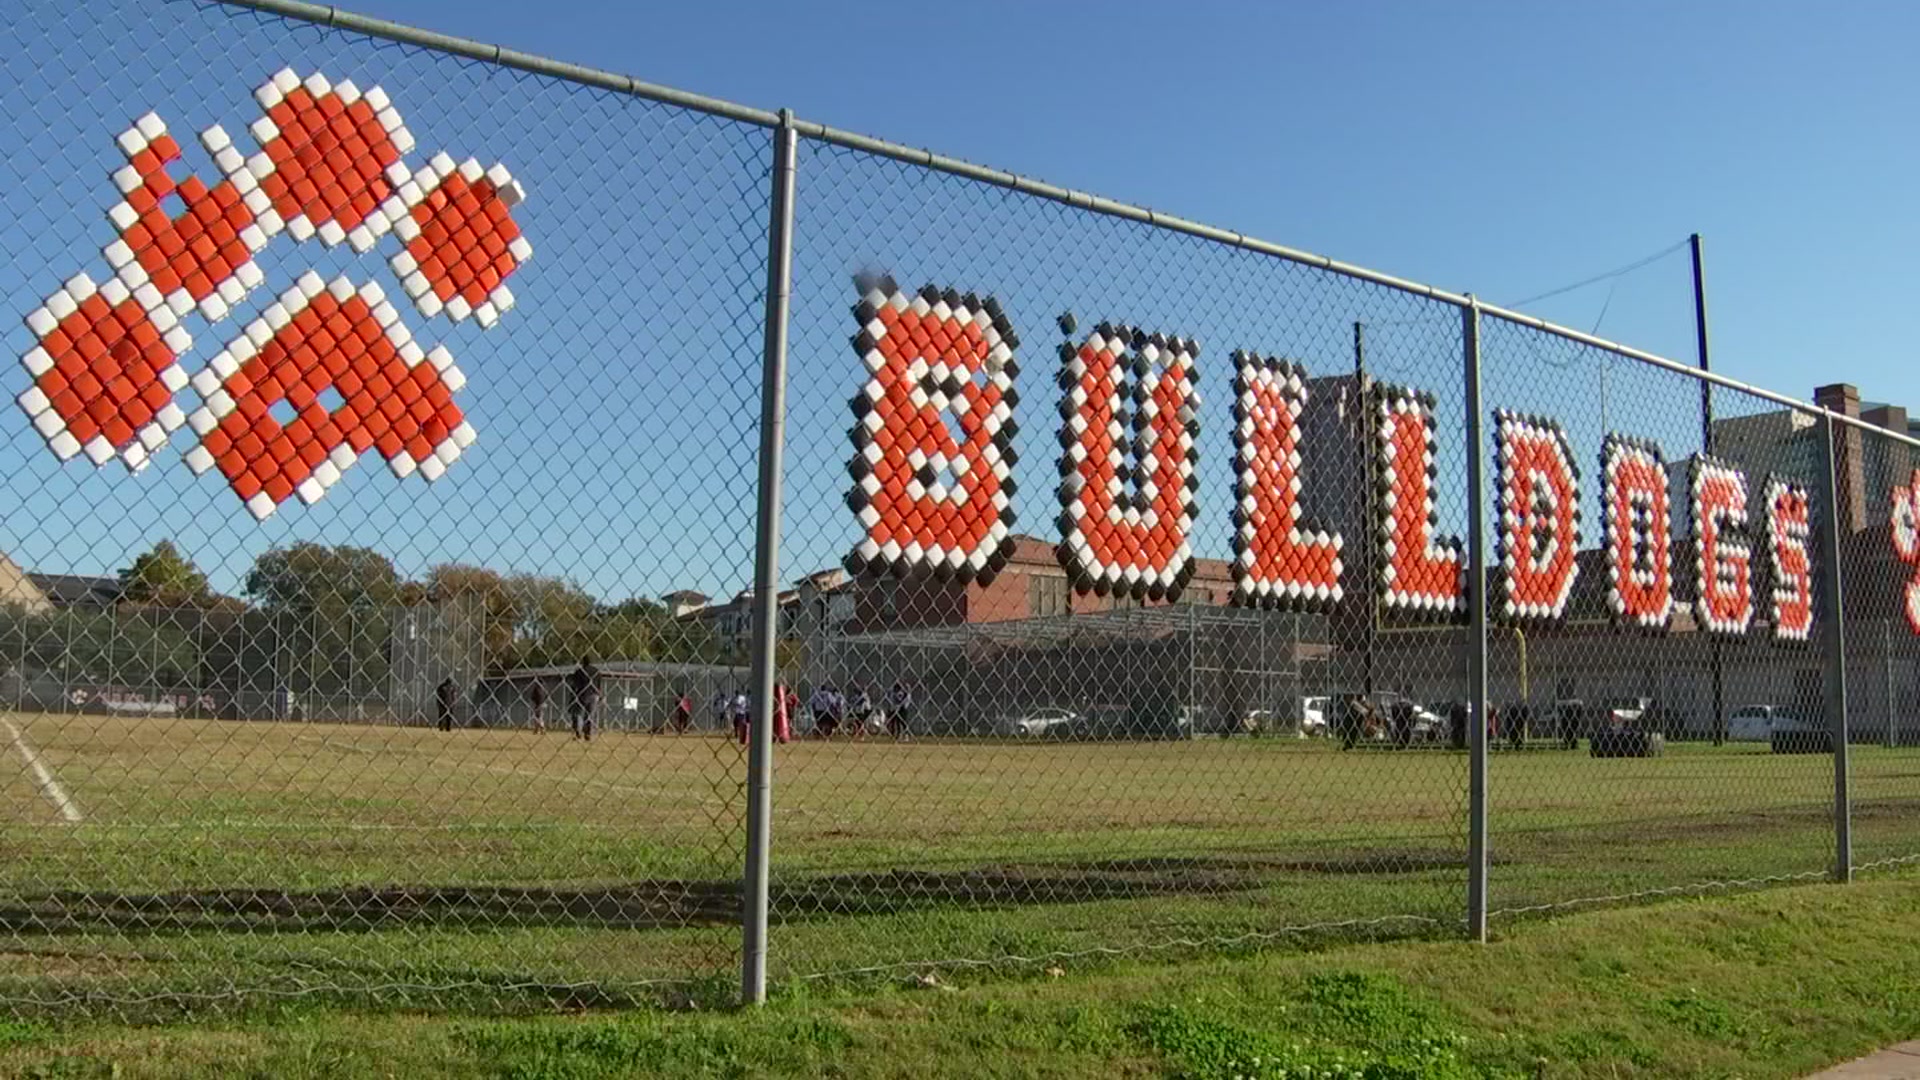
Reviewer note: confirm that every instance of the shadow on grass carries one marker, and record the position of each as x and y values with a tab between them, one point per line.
672	904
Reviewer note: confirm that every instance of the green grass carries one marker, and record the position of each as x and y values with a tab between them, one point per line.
1767	984
505	870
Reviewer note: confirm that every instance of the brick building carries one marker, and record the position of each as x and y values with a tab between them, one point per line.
973	653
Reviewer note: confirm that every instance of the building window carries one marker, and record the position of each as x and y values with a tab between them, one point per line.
1046	595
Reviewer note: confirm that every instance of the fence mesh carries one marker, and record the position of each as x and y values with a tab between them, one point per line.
226	775
1650	733
1126	576
1102	771
1877	569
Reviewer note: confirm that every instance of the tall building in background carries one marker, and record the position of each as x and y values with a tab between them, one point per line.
1787	442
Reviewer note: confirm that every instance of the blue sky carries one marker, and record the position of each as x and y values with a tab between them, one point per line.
1502	148
1499	149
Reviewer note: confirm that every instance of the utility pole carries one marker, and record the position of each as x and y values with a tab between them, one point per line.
1706	447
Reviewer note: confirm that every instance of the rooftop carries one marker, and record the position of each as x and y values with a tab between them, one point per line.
77	590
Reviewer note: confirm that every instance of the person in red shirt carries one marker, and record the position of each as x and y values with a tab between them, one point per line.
683	713
784	702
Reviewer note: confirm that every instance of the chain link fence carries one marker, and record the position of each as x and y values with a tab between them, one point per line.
227	775
1877	561
1128	586
1694	788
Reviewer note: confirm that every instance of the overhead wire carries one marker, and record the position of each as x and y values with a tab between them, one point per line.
1613	276
1597	278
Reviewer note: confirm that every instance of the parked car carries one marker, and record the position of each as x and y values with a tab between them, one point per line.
1797	735
1101	725
1046	723
1626	742
1626	712
1754	723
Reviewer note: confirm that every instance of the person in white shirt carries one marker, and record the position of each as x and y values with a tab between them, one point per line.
741	712
826	716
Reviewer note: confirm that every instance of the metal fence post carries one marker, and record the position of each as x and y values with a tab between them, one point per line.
1706	447
1372	631
1836	641
1477	634
766	569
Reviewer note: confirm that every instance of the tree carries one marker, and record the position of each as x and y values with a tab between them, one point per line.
554	621
316	577
122	648
163	577
667	639
497	603
324	622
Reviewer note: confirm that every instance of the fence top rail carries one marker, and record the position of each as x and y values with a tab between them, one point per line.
327	15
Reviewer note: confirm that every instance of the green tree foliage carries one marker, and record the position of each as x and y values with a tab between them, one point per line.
126	647
163	577
530	620
317	577
488	591
689	641
554	620
322	622
641	629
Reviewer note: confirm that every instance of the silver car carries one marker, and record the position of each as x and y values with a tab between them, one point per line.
1037	724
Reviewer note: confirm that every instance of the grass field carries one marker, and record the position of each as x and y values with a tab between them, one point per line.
517	869
1770	984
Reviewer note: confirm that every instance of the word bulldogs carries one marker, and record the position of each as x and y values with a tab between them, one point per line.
934	499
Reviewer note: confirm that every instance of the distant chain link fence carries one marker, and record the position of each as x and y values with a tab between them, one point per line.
1137	587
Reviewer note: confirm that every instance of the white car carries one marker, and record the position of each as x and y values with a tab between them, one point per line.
1039	723
1754	723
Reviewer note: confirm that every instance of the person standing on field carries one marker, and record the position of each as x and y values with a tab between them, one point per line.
537	705
824	721
583	686
785	702
683	713
1402	714
860	710
740	712
444	698
900	712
